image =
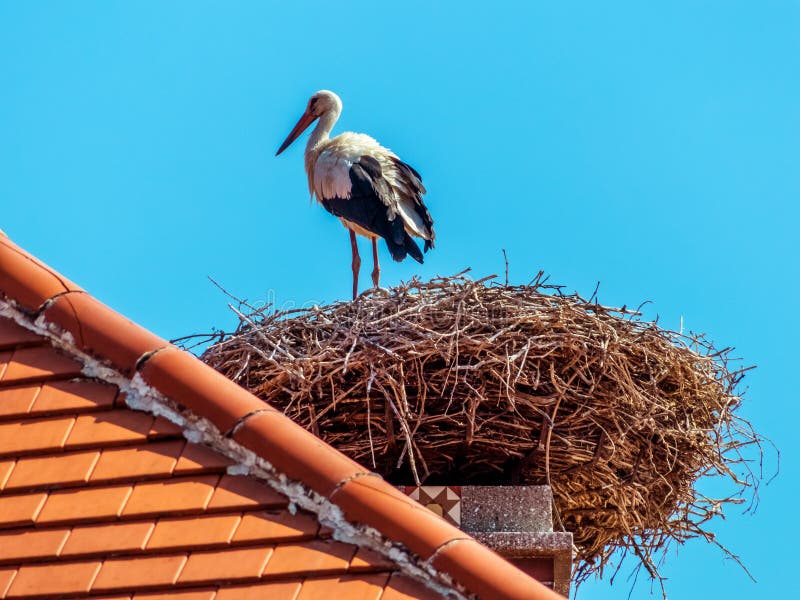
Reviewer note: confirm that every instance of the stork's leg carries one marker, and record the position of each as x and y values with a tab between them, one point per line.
376	271
356	264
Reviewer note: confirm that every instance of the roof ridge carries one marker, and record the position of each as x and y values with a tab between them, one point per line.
161	379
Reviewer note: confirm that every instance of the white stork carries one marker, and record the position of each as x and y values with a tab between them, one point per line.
372	191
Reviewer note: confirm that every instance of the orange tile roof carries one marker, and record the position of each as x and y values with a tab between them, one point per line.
101	494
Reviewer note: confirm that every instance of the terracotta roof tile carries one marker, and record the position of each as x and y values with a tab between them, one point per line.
30	543
139	462
107	539
5	358
6	576
110	427
6	466
175	496
25	279
52	471
20	510
268	590
17	401
401	587
162	428
236	491
193	532
197	458
372	501
296	452
348	587
12	335
315	557
367	560
39	362
234	564
34	435
62	578
97	330
204	594
81	505
138	573
74	396
276	526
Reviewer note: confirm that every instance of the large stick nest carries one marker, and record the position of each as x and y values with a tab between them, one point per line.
461	382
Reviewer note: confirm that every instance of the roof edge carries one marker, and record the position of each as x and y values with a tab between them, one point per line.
162	379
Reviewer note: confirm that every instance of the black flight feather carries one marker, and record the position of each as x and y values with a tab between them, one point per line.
414	182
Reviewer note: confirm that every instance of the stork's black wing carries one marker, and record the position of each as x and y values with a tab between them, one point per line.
368	206
413	181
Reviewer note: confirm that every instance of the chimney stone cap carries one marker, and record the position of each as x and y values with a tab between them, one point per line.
508	508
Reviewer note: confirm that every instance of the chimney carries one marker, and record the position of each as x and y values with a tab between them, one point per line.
514	521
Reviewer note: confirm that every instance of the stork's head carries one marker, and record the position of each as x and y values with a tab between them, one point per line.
322	103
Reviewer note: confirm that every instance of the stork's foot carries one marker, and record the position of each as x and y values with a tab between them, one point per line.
377	291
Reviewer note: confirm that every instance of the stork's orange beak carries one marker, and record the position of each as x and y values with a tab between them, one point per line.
306	120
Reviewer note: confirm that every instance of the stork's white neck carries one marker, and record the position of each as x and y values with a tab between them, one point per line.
323	128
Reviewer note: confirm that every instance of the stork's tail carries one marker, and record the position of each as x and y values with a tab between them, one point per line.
413	249
408	246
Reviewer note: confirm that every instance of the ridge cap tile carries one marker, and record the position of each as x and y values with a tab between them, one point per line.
185	379
297	453
101	331
373	502
26	280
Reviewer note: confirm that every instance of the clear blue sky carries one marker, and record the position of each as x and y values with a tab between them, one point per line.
650	146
